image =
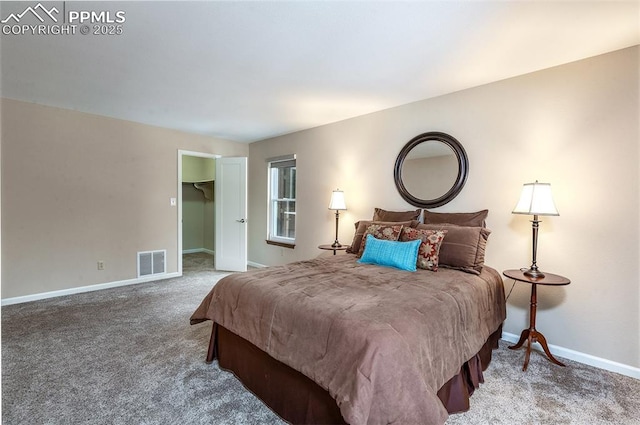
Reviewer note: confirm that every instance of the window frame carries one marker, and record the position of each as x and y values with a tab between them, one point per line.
275	165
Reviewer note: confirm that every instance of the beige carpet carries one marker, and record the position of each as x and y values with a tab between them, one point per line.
550	394
128	356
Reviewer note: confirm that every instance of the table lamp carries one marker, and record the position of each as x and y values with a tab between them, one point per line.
337	203
535	200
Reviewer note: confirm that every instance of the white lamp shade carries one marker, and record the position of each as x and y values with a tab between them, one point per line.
536	199
337	201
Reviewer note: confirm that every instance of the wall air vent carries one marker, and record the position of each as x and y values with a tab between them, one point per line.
151	263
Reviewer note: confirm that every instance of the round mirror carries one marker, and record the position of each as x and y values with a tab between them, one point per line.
431	170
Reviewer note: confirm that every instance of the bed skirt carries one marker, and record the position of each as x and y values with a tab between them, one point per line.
299	400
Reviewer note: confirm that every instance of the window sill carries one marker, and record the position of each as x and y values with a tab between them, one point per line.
282	244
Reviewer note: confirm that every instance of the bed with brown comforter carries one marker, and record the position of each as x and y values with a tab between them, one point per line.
380	341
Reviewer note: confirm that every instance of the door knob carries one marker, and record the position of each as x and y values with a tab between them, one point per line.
242	220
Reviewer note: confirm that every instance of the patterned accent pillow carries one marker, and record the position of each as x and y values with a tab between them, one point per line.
429	247
361	228
380	231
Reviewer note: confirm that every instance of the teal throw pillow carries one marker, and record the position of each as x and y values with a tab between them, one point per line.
401	255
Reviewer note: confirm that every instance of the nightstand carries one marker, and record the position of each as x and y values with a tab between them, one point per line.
334	248
531	335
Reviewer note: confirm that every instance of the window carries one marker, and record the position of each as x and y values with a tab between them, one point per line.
282	200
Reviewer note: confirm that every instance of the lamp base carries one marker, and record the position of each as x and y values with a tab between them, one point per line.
336	244
534	273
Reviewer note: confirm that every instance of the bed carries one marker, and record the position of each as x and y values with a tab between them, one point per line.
333	340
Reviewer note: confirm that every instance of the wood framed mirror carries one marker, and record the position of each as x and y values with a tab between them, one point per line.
431	169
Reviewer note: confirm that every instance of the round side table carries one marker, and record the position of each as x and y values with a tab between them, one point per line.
532	335
334	248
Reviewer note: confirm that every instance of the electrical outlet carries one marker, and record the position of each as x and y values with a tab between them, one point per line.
100	265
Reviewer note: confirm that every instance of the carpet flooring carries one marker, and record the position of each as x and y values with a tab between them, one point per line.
129	356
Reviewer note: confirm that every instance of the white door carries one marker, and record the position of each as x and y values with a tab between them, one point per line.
231	214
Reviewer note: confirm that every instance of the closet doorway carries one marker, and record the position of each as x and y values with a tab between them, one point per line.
196	210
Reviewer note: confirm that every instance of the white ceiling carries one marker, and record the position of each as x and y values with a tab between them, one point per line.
246	71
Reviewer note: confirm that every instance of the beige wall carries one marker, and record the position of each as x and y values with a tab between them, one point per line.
574	126
78	188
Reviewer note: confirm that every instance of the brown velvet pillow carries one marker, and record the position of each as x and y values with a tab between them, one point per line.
383	215
361	228
474	219
463	248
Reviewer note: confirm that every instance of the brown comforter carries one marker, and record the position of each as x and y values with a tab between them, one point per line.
380	340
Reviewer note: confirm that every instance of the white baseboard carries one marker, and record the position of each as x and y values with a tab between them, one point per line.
577	356
258	265
197	250
88	288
